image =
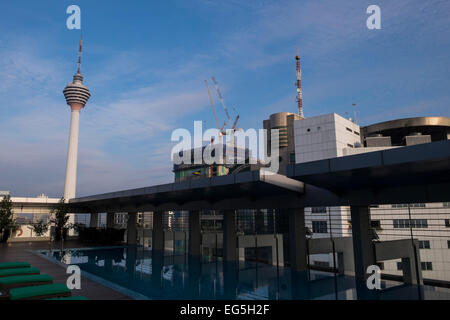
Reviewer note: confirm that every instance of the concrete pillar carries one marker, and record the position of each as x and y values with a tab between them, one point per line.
229	235
277	251
110	220
409	271
94	220
158	231
259	221
72	156
412	274
241	254
194	233
158	245
363	249
297	239
132	228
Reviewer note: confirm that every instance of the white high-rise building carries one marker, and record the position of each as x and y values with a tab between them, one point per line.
329	136
324	137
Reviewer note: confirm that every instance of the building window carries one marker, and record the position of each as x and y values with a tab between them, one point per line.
411	205
349	145
446	204
424	244
399	266
356	132
448	244
322	263
319	227
292	157
348	129
308	130
319	209
447	223
413	223
426	266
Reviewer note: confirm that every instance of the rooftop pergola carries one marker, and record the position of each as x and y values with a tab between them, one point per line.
412	174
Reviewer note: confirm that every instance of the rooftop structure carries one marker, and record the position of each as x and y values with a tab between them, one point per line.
328	145
238	161
284	122
407	131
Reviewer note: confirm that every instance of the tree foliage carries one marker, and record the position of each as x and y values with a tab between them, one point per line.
39	228
7	221
61	215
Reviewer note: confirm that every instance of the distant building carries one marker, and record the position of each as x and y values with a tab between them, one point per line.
324	137
284	122
28	211
330	136
190	171
406	132
248	221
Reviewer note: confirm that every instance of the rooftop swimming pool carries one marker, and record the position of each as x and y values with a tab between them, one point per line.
143	274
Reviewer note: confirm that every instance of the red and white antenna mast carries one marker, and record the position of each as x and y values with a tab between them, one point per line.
299	86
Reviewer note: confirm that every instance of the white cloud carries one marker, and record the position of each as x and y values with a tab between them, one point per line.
34	135
34	120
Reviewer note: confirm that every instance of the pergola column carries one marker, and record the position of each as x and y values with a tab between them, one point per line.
194	233
132	228
229	235
297	239
158	231
93	223
362	241
110	219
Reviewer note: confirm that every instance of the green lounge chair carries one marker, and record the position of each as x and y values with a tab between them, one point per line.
40	292
8	283
18	271
71	298
16	264
24	281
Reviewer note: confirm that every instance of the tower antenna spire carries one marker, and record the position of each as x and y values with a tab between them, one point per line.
79	53
299	86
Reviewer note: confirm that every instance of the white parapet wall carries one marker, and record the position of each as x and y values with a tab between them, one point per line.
28	210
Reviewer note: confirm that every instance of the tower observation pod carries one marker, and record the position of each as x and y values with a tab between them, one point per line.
76	95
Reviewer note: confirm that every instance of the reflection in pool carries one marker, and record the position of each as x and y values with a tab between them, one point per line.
164	275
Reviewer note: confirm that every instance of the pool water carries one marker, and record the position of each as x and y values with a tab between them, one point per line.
143	274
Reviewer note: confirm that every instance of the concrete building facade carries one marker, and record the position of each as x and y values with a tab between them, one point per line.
284	122
330	136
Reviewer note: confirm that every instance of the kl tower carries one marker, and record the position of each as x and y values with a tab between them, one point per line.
76	95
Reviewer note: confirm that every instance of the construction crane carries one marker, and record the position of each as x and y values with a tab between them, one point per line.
221	99
234	124
214	112
212	105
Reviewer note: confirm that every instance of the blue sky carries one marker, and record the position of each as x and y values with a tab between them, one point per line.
145	62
